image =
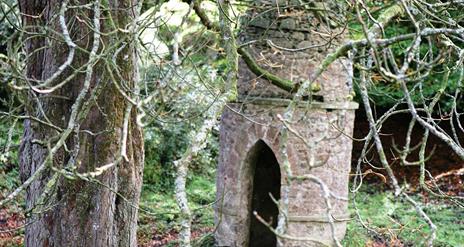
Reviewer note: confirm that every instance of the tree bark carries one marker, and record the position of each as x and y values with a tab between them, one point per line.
65	205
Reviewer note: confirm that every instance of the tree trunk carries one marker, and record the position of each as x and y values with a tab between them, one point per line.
66	204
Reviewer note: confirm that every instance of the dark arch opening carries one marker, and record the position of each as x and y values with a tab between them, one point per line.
266	179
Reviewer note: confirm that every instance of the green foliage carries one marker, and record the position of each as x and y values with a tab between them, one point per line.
182	95
397	219
385	93
165	145
201	193
9	170
202	190
9	180
162	147
9	19
205	241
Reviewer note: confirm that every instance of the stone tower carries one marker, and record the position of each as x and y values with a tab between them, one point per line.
290	46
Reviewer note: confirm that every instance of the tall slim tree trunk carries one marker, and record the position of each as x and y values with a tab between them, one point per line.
86	163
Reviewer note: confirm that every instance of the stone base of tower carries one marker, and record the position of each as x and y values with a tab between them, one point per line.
250	142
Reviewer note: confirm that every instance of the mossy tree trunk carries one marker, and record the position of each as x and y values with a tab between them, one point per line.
90	124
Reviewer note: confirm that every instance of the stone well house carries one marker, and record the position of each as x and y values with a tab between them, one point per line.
250	162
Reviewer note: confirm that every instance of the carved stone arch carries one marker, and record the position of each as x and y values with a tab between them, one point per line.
260	176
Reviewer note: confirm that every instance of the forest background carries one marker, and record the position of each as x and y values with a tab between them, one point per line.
181	96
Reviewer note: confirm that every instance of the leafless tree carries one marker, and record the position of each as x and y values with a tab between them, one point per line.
77	87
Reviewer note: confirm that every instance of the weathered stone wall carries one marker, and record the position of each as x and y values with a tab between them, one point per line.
240	131
277	39
291	47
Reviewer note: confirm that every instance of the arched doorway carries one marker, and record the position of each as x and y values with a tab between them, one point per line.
265	173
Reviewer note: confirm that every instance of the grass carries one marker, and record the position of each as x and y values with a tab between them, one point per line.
164	213
393	219
397	221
